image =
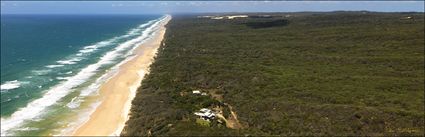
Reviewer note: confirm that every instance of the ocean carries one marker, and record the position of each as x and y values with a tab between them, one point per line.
52	66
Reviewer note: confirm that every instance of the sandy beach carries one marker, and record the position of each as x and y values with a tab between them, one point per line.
117	93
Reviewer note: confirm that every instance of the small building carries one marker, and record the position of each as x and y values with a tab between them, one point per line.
199	92
196	92
407	18
205	114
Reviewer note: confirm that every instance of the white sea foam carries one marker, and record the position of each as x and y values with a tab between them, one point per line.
41	72
87	50
54	94
27	129
70	61
8	85
54	66
62	78
136	31
66	62
132	32
72	125
75	102
96	46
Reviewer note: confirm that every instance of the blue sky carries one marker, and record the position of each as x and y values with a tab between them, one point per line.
160	7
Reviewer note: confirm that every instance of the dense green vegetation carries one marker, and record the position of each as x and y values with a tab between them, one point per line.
267	23
339	73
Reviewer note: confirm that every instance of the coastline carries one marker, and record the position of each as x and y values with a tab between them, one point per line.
110	116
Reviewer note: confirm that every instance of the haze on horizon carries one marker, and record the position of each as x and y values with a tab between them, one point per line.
161	7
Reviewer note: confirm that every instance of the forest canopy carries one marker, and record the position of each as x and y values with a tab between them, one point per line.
336	73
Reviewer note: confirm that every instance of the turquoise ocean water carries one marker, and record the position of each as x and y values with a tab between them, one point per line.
52	65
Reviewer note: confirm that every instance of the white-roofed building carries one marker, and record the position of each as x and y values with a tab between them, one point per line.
205	114
196	92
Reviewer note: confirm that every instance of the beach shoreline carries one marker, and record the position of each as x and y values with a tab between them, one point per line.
117	93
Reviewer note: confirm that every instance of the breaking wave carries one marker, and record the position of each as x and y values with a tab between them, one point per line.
8	85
